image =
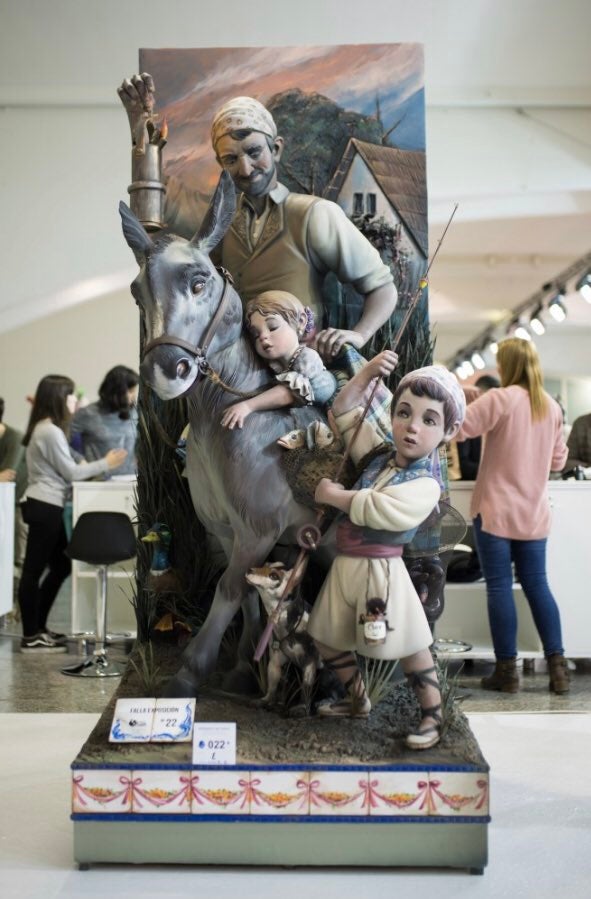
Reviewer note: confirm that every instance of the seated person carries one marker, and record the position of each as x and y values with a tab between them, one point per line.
110	422
11	450
579	443
278	324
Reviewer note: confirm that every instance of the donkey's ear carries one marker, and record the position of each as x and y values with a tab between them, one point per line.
218	216
135	234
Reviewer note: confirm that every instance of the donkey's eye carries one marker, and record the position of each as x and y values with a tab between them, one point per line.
197	286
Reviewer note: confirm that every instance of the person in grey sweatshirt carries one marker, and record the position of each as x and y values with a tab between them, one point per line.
51	470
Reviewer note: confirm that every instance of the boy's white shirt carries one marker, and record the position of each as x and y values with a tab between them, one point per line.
398	507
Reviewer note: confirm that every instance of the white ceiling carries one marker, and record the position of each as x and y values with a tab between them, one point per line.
508	89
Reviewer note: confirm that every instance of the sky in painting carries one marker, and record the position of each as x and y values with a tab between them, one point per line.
191	84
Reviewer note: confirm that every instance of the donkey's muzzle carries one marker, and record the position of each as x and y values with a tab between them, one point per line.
169	370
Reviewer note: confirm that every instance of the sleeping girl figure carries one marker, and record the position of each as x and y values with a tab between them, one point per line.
368	603
278	324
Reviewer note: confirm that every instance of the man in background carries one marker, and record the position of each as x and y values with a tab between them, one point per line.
469	450
579	443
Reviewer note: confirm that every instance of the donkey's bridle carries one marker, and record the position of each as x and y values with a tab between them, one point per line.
199	352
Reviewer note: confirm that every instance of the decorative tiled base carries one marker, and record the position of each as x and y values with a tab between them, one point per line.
250	814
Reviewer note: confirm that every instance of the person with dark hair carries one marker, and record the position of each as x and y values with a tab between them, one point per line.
469	451
111	421
13	468
51	470
579	443
11	450
510	508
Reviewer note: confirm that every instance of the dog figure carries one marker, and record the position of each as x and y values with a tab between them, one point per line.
291	641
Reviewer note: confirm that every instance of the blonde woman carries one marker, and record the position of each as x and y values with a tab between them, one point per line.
523	442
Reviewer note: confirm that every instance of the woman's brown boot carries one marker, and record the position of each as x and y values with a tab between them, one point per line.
559	674
503	678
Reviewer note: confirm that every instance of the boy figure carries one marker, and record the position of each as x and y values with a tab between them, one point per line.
383	511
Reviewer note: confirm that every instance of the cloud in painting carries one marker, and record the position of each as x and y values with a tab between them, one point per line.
351	75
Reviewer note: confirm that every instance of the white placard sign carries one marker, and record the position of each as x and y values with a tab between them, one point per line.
153	720
214	743
173	721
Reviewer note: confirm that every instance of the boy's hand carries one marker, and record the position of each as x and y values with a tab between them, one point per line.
381	365
236	415
326	490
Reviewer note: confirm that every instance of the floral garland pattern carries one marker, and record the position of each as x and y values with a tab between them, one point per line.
197	793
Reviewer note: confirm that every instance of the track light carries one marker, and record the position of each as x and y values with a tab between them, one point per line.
556	306
477	360
584	286
522	332
493	346
536	322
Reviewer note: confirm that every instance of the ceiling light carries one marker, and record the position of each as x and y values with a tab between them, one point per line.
536	322
477	360
468	368
584	286
556	307
522	332
493	347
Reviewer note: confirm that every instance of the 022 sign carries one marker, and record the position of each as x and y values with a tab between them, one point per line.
214	743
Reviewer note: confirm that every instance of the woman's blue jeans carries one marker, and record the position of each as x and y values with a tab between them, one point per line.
496	555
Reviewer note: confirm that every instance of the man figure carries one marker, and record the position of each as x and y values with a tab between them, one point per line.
279	239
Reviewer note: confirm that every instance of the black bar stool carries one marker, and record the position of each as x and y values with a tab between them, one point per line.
101	539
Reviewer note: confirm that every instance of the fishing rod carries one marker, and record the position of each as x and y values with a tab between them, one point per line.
309	536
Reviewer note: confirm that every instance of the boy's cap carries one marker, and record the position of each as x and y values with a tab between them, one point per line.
445	379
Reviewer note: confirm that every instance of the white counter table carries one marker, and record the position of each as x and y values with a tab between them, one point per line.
569	572
6	546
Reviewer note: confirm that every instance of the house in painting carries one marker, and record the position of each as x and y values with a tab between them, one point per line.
381	182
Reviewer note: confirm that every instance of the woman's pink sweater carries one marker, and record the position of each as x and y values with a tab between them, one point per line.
510	493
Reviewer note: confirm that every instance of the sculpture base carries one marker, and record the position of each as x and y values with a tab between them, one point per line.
305	791
322	844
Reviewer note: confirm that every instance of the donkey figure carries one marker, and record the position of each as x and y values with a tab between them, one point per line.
192	320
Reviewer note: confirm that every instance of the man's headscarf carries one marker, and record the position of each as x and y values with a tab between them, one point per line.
446	380
242	114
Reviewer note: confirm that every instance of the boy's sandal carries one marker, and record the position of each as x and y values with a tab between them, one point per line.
351	706
429	736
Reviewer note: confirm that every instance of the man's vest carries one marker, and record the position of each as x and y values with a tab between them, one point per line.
280	259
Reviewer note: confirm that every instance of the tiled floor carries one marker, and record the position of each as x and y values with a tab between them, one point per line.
20	676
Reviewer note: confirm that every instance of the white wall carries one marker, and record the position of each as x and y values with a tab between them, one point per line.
65	153
83	342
